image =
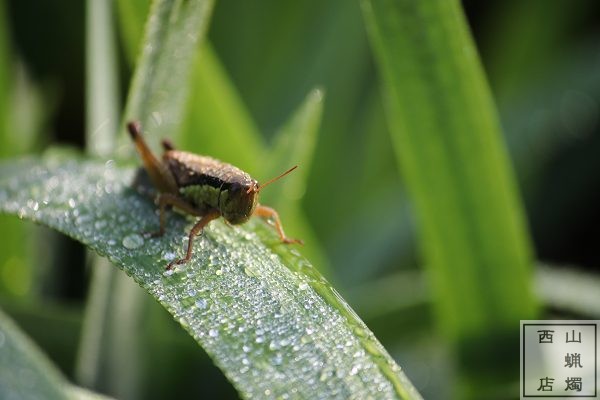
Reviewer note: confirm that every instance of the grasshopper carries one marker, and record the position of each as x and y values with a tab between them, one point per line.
203	187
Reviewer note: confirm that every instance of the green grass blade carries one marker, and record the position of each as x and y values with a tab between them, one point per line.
159	87
102	103
268	319
520	52
448	143
16	275
102	126
18	354
570	289
26	373
216	122
131	16
294	144
4	82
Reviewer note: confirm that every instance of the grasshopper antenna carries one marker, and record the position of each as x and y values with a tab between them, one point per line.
260	187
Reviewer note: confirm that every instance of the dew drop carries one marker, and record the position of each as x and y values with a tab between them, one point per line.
133	241
250	271
325	374
219	272
100	224
303	286
168	256
359	331
201	304
213	333
276	359
305	339
34	205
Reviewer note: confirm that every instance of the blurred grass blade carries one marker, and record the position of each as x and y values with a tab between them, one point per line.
102	126
294	144
102	101
448	144
79	393
15	267
268	319
4	81
18	354
569	289
564	112
160	82
521	52
25	373
131	17
216	120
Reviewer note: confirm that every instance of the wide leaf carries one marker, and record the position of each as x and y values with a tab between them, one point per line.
26	373
260	310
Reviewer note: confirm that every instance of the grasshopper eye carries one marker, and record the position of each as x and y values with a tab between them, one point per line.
235	188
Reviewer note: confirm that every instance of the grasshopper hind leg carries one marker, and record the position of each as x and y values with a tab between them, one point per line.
159	173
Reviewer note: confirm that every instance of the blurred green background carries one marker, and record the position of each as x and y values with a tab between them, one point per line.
541	59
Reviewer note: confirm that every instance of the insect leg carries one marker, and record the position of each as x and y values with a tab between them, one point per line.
195	230
159	173
168	199
268	212
167	145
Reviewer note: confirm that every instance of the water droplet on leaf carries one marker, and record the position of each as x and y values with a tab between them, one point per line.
133	241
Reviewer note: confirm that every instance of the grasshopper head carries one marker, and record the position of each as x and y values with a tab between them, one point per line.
238	203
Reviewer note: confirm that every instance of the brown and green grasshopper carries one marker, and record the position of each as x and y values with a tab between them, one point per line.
203	187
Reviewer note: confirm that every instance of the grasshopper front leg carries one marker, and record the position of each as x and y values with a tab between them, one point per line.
168	199
195	231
